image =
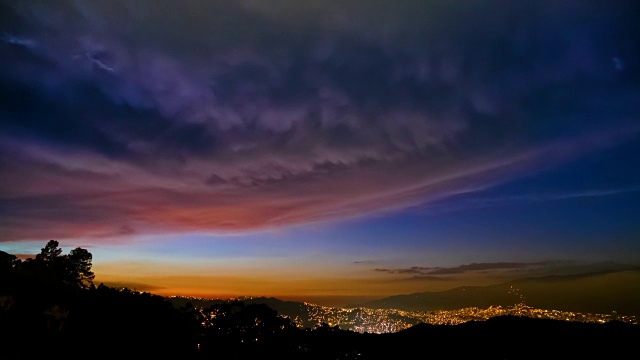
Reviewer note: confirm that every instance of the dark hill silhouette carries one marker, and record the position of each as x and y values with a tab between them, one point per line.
600	292
46	314
508	337
292	309
49	308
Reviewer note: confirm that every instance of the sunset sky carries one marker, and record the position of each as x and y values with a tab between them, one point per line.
321	150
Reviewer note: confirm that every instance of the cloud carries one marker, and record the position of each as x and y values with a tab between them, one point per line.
419	273
479	267
427	278
549	270
428	272
384	270
422	273
120	118
482	201
414	270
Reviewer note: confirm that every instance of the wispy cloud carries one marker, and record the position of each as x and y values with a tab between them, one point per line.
365	262
427	272
458	269
512	269
420	273
427	278
477	201
478	267
135	122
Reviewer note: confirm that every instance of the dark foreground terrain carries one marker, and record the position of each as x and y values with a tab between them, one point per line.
108	323
50	309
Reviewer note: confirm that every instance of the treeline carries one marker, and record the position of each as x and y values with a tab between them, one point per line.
50	309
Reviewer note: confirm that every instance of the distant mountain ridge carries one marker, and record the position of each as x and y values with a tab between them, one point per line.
500	337
599	292
606	295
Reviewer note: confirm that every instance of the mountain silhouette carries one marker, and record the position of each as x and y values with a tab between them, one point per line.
598	292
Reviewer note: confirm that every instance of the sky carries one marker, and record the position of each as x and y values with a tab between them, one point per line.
321	150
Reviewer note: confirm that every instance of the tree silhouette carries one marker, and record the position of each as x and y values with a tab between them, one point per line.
8	267
79	268
8	261
49	308
50	252
52	267
324	327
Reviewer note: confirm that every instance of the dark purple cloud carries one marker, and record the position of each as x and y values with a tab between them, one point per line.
479	267
120	117
522	269
428	272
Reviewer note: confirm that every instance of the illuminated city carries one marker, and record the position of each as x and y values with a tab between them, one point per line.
386	321
380	321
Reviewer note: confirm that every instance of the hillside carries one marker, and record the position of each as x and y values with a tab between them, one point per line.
601	292
508	337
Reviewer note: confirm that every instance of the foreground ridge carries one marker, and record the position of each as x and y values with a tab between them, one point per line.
393	320
381	321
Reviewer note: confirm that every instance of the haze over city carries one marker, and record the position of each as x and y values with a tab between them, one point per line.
323	151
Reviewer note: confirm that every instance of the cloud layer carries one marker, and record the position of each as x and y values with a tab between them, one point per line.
550	269
119	118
